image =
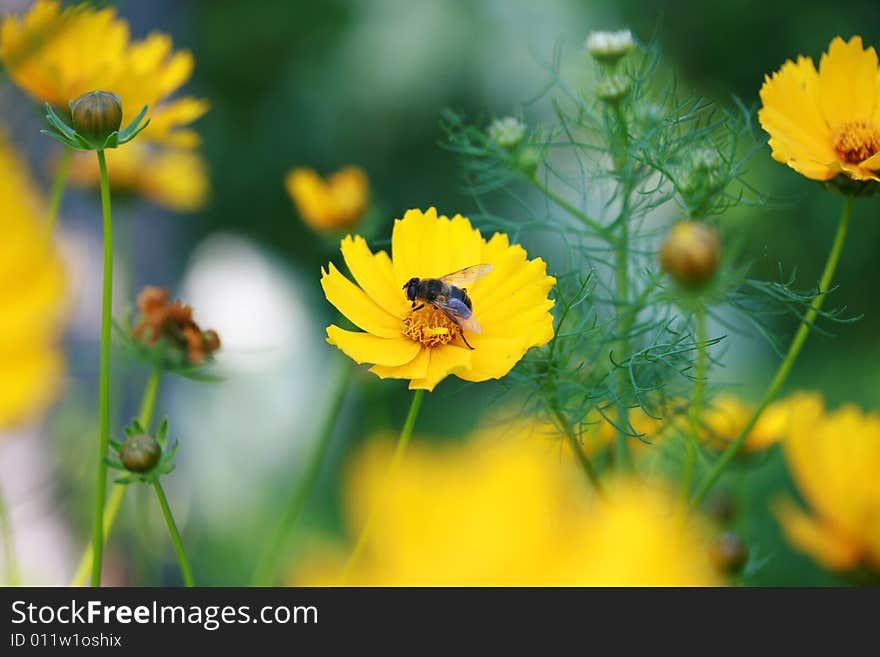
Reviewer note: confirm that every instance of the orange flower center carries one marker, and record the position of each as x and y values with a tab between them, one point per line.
856	141
430	326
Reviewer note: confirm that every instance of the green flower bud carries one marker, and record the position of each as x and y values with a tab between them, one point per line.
691	253
140	453
729	553
96	115
613	88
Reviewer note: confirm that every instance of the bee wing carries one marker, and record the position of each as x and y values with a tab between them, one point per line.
466	276
458	313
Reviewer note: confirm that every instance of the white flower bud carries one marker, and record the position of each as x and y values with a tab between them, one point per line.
609	47
507	132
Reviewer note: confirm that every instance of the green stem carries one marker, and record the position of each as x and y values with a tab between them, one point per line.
13	576
104	380
59	184
625	320
185	569
389	477
696	407
579	454
299	494
793	351
117	493
585	219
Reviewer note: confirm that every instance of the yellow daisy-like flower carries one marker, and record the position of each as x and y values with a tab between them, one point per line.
502	510
59	54
727	414
835	460
425	345
827	121
31	295
332	204
173	178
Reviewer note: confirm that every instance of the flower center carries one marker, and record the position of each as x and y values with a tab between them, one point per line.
430	326
856	141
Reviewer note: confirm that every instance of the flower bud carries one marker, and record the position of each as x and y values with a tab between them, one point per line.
691	253
613	88
140	453
729	553
609	47
506	132
96	115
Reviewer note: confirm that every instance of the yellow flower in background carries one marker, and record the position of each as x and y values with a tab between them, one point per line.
173	178
332	204
822	123
727	415
835	461
424	345
503	510
59	54
32	290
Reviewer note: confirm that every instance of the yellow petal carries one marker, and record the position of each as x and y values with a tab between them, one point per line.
815	538
417	368
799	134
374	273
428	246
366	348
848	82
29	381
352	302
444	361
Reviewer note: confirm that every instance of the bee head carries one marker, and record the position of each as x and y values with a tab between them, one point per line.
412	288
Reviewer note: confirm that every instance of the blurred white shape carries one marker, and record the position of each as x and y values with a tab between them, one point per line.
239	435
253	304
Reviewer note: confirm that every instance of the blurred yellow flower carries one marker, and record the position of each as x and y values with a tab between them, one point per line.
727	415
822	123
424	345
174	178
32	288
503	510
59	54
332	204
835	460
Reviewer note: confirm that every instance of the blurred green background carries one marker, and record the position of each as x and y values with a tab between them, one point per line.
326	84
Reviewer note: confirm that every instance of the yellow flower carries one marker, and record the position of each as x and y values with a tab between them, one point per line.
727	415
425	346
822	123
174	178
31	293
503	510
59	54
332	204
835	461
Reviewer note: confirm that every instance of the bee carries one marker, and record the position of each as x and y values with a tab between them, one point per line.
449	295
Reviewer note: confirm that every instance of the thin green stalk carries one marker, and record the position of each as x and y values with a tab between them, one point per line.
13	575
583	459
117	493
793	351
104	379
585	219
696	407
59	184
299	494
185	569
389	477
625	319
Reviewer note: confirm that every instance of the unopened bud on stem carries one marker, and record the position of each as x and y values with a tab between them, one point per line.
96	115
691	253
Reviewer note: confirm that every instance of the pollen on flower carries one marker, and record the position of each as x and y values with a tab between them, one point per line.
430	326
856	141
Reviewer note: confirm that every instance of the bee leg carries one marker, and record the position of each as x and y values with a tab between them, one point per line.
419	307
466	342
